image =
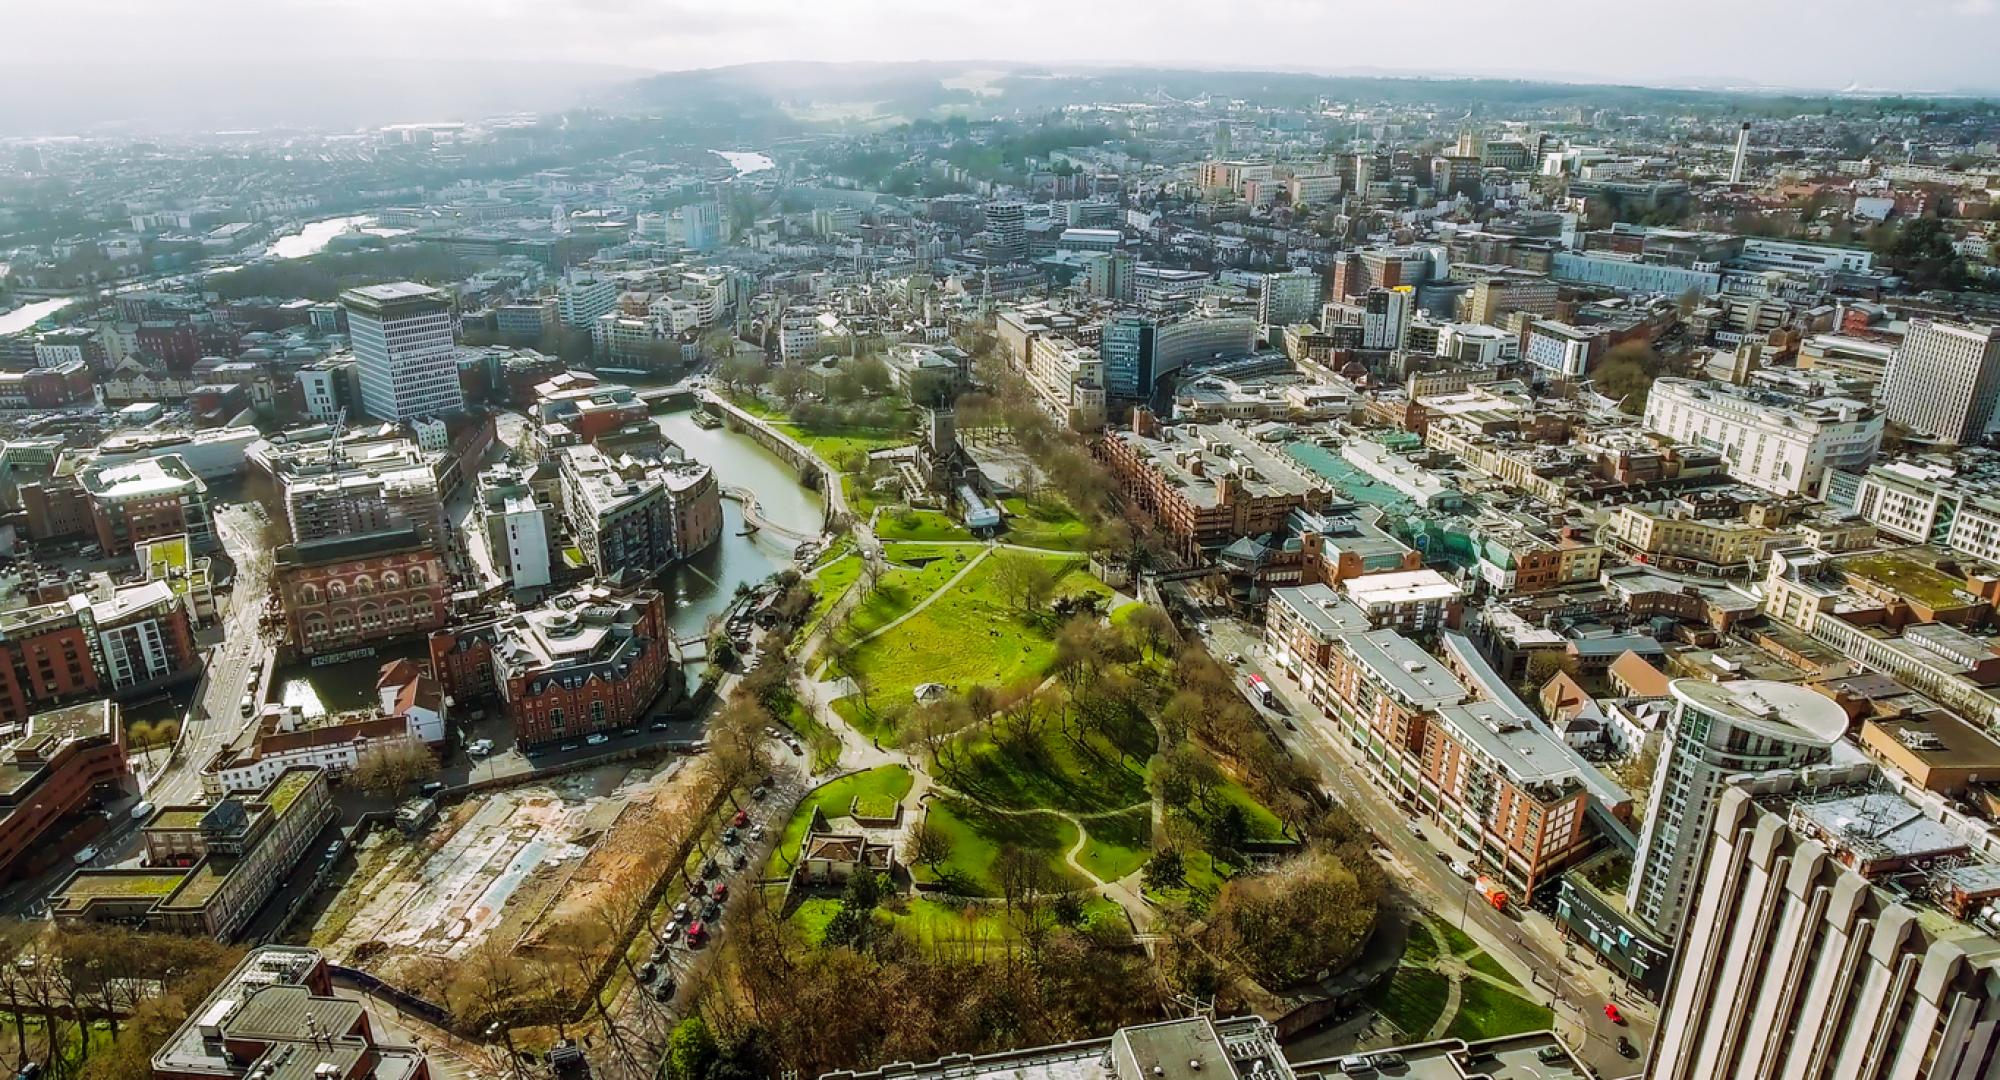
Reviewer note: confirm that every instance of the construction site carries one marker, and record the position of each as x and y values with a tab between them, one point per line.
505	873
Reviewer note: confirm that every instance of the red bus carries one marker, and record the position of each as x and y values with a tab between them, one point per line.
1261	690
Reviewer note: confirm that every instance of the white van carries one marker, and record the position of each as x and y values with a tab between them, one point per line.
248	706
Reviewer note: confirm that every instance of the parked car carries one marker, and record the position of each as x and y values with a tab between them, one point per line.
141	811
1549	1055
1626	1049
1355	1065
721	891
647	970
659	725
479	747
568	746
756	832
1612	1014
757	793
334	850
664	989
729	835
681	910
741	819
82	858
597	738
1461	869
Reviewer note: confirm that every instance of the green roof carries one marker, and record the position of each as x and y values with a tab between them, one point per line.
1913	578
90	885
202	882
285	790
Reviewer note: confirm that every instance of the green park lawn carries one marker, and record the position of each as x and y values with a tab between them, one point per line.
918	571
977	834
1051	769
828	585
1264	825
832	799
1412	999
1117	844
968	635
935	922
1486	1011
1045	522
905	524
824	744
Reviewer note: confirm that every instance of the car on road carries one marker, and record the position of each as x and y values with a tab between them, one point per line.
1236	658
82	858
741	819
729	835
658	725
598	739
756	832
567	747
1549	1055
794	745
141	811
681	910
647	970
1461	869
1612	1014
664	989
479	747
721	891
1626	1049
248	706
335	849
1201	628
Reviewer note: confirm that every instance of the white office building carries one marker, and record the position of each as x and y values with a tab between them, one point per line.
403	351
1288	298
1933	504
1717	730
583	298
1842	930
1943	380
1778	444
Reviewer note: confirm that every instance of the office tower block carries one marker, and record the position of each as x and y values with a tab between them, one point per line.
1108	275
1717	730
1290	297
1840	930
403	350
1008	222
1943	380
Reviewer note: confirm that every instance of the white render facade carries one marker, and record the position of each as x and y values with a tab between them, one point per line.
1794	964
403	350
1932	506
1782	447
1944	380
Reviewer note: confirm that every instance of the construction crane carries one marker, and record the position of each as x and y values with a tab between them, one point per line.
333	441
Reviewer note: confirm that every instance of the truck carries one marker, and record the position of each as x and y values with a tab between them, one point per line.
1260	690
1491	890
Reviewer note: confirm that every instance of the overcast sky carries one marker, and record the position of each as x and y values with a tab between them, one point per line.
1899	45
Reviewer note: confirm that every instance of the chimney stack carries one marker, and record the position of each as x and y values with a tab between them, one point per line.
1742	151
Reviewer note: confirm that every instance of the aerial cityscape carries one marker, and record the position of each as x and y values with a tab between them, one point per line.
839	564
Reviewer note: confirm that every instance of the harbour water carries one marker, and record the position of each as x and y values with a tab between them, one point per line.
28	314
313	237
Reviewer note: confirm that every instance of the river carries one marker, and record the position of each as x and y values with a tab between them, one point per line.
705	584
314	236
746	162
30	313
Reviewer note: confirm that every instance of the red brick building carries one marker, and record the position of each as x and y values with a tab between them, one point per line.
45	657
586	662
351	591
49	770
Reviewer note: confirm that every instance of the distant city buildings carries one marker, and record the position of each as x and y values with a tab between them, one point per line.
1944	380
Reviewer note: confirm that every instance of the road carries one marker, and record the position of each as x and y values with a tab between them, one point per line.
1525	941
216	717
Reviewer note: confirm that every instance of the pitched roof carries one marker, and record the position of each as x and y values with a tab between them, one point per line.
1639	676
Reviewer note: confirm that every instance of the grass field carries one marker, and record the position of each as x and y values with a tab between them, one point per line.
1046	522
1484	963
1117	844
1487	1012
832	798
904	524
829	585
967	636
825	745
940	922
919	570
1413	999
1053	770
977	834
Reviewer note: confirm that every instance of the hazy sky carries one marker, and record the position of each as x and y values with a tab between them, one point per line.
1902	44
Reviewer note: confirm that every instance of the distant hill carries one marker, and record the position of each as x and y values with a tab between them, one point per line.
894	92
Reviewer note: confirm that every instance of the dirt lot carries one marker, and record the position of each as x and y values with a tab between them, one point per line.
511	866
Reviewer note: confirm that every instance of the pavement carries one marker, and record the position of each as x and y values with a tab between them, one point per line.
1525	942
